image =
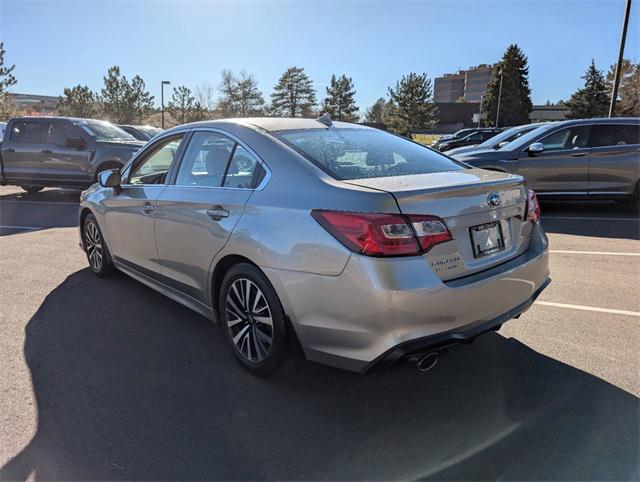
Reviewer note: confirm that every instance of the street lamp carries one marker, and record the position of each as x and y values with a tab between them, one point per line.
162	84
499	99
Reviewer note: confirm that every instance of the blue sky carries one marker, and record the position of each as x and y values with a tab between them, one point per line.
56	44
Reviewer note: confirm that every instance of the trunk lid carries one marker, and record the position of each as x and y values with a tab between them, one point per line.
461	199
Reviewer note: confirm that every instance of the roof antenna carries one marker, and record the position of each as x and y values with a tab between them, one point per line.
325	119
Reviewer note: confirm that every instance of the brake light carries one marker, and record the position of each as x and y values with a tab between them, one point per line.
383	234
533	207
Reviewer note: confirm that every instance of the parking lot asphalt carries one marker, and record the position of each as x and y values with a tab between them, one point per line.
106	379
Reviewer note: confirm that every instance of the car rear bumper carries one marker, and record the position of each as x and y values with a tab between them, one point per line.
382	308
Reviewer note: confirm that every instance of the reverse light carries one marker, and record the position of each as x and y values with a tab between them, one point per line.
373	234
533	207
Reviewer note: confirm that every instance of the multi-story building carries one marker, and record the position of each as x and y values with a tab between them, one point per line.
43	104
470	84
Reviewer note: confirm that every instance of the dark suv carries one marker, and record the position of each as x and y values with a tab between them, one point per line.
37	152
471	139
595	158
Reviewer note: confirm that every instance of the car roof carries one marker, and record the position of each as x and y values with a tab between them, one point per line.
56	117
273	124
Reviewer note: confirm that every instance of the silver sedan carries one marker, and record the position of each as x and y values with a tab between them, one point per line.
363	246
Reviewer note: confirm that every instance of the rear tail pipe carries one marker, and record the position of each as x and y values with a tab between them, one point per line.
428	361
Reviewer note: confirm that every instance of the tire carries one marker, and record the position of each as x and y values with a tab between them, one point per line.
95	247
258	337
32	189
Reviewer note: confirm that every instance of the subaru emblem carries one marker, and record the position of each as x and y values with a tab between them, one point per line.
494	199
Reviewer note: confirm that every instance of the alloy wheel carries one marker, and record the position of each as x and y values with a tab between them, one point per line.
249	320
93	245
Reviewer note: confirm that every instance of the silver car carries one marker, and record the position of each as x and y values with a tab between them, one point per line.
363	246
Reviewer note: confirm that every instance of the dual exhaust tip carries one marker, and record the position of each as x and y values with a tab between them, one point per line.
428	361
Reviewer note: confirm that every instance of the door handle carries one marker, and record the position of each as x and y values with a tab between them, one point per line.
10	150
147	208
579	154
46	151
217	213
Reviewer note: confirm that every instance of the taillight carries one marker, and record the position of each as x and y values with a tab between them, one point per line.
383	234
533	207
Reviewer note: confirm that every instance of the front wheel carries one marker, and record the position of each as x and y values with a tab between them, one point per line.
253	319
94	245
32	189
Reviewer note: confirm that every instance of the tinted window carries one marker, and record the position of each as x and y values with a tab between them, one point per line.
365	153
614	135
104	131
205	160
153	167
59	132
27	131
570	138
242	169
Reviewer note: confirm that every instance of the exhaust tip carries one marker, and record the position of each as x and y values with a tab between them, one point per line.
427	362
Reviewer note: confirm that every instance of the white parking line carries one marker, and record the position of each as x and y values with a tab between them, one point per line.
589	308
590	219
601	253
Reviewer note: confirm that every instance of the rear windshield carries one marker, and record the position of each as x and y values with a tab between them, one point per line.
364	153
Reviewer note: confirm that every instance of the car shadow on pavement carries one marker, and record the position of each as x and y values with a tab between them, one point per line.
130	385
604	219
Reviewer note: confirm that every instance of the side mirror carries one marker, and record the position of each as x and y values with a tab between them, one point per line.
502	144
75	143
535	148
110	178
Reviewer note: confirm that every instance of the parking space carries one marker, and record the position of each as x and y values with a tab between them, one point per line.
106	379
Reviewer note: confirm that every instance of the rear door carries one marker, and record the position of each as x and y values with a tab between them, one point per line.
22	151
614	164
197	213
62	163
563	166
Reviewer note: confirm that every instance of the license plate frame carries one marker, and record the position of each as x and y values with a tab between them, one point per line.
486	239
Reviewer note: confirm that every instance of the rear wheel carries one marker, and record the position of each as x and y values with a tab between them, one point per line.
94	245
32	189
253	319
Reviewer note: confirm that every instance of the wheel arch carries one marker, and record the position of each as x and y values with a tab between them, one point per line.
84	212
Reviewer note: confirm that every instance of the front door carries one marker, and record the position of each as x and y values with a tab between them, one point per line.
130	217
22	151
67	165
563	165
197	214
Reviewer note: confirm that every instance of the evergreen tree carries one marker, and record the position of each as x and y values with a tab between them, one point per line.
125	102
376	114
139	100
78	101
240	95
197	113
411	106
628	102
340	103
515	101
181	105
593	99
293	95
7	109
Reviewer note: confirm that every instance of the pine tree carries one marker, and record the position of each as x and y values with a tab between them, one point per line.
593	99
240	95
376	114
78	101
139	100
125	102
181	105
515	100
628	102
340	102
411	106
7	109
293	95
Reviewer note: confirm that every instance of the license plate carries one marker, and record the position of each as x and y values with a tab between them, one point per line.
486	239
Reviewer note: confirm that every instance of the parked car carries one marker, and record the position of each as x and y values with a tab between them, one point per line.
37	152
456	135
365	246
142	133
3	125
497	141
472	139
595	158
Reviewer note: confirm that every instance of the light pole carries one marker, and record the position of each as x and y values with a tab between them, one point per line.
162	84
499	99
616	80
480	111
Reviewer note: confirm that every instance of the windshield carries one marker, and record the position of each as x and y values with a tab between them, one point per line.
506	136
104	131
365	153
151	131
525	139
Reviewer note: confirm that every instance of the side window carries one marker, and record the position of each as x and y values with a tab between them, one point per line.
27	132
570	138
475	137
205	160
153	168
59	132
242	169
614	135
